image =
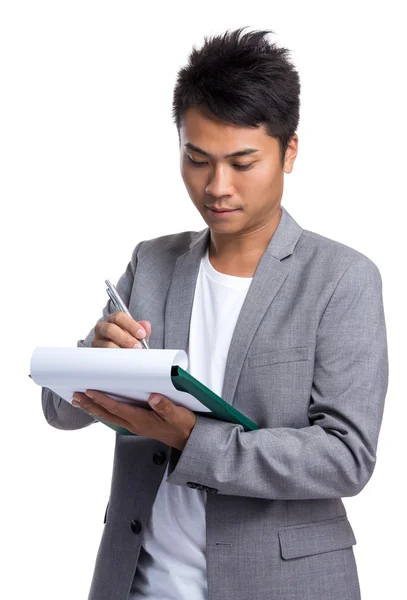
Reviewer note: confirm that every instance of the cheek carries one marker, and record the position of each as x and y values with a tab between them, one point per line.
265	182
184	172
193	181
252	187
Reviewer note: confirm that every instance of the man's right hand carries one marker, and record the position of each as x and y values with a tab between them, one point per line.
119	330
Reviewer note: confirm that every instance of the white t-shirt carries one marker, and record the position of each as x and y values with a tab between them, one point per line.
172	561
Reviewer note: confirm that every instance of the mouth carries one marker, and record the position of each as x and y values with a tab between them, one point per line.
217	214
221	210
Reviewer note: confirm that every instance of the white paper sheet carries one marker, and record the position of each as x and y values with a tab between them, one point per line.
125	374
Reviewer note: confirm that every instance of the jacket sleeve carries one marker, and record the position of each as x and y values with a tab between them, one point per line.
335	455
58	412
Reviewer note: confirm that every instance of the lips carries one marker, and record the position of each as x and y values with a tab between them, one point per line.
221	209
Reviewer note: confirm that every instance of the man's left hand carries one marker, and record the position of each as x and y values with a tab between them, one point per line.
167	422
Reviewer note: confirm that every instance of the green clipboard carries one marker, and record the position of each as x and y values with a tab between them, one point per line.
221	410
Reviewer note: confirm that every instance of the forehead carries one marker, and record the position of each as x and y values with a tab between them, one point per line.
219	138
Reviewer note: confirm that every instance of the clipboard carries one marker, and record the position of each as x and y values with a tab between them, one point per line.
221	410
64	370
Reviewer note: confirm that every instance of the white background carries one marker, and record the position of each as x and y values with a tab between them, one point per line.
90	166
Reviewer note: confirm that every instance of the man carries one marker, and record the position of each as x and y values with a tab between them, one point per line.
285	324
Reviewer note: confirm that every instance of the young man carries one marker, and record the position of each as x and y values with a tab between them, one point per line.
285	324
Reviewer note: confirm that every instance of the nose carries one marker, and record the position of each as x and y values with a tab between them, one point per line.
220	183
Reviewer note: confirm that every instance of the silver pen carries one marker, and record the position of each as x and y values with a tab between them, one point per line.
120	305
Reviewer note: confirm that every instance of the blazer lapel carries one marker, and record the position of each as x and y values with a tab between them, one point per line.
267	281
181	293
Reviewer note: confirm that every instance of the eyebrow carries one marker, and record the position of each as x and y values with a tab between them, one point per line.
238	153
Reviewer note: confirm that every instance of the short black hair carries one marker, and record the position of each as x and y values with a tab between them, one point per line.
241	80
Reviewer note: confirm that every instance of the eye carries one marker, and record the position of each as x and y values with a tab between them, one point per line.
195	162
243	167
200	164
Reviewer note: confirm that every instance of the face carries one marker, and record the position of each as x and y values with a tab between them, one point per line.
251	183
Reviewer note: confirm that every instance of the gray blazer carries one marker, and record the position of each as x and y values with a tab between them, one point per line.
308	363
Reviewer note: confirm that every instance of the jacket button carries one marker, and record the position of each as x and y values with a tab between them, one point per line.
135	526
159	458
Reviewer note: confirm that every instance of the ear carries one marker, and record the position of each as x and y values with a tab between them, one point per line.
291	154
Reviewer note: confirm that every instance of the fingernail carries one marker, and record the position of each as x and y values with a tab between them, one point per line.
137	345
155	400
141	333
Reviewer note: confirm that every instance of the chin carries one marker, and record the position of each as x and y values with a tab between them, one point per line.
225	227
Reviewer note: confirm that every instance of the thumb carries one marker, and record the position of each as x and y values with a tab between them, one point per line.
161	405
147	326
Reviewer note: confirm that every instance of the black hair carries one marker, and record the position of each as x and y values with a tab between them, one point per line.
241	80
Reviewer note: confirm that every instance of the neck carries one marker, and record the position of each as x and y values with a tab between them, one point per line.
243	249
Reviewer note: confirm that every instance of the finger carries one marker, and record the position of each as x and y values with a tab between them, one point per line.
112	331
147	327
96	410
179	416
123	321
123	410
103	343
164	407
